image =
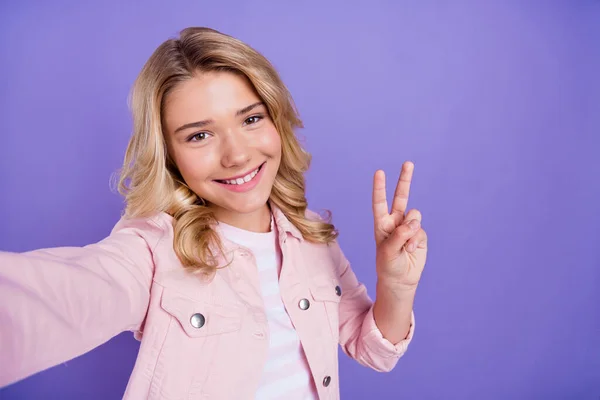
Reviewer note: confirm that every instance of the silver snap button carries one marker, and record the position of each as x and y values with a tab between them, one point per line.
338	290
326	381
197	320
304	304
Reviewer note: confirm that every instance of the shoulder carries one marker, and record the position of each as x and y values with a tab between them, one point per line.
151	228
333	246
324	216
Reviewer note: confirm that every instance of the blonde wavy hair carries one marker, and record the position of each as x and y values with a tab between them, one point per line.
151	182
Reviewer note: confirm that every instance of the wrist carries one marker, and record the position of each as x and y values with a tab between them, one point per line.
399	289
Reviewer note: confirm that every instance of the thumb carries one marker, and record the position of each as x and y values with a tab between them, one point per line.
396	241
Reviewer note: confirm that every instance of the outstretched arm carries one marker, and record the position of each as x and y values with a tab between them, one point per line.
59	303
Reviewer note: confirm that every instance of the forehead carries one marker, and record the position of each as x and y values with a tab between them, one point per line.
209	95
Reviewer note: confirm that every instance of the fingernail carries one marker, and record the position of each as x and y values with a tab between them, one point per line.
411	247
414	224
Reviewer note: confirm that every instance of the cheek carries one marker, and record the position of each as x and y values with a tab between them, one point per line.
271	143
193	166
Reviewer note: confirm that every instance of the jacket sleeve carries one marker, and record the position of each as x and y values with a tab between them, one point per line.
360	338
59	303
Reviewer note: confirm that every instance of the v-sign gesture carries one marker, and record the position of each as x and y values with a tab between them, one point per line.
401	242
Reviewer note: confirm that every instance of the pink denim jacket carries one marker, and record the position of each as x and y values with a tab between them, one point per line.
200	339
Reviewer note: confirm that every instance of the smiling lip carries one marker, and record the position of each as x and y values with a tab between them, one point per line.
246	186
239	176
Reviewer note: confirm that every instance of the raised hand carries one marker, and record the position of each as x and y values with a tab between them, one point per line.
400	240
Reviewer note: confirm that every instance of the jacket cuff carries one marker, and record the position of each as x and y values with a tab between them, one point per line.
375	341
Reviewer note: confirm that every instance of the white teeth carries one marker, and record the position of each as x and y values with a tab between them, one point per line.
245	179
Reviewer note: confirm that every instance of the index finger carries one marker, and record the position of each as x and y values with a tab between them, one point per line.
380	205
402	190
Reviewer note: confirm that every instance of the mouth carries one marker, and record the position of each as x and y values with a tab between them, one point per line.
242	179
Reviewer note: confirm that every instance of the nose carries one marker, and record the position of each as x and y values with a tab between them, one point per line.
236	152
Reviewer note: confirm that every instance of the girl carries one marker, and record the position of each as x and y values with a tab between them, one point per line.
234	288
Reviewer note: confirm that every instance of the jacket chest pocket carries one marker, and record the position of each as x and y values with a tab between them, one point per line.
198	334
327	292
200	319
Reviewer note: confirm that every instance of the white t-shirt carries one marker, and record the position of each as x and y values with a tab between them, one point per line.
286	374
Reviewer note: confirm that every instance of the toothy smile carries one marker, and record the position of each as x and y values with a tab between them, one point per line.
242	179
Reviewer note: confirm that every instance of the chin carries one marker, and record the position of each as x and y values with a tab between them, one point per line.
242	204
248	207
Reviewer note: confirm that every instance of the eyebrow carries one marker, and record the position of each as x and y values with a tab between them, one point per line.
200	124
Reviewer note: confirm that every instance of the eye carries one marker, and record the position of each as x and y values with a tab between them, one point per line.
198	137
253	119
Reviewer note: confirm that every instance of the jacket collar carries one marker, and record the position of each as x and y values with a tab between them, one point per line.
284	226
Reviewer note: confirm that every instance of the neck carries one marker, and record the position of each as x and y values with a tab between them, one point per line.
255	221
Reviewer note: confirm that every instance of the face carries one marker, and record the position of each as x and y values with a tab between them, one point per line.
225	145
